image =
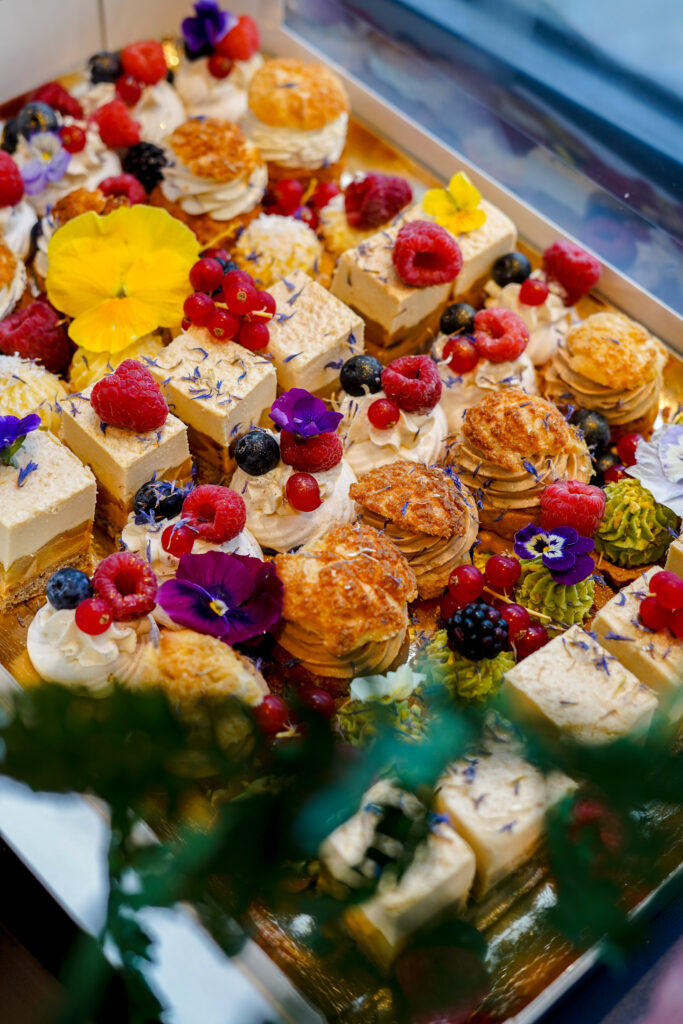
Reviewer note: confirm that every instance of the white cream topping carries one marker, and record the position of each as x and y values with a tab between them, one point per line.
12	292
415	438
16	224
159	110
204	95
63	653
144	539
222	200
548	322
290	147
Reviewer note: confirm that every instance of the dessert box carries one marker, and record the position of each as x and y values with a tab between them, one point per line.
531	965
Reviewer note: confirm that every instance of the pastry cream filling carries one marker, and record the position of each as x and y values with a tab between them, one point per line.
224	98
221	200
291	147
547	323
372	657
415	438
503	488
619	405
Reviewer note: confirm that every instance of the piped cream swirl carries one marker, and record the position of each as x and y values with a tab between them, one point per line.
415	438
291	147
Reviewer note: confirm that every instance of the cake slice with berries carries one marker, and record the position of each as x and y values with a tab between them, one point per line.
311	335
345	610
642	626
399	281
431	518
47	507
220	390
577	686
122	429
369	202
295	484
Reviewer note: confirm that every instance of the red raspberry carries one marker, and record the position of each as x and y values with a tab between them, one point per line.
242	41
570	503
500	335
413	383
117	128
217	514
130	397
57	97
128	585
424	254
575	269
311	454
11	181
145	61
124	185
375	199
36	333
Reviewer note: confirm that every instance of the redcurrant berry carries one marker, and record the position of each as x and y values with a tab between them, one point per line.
214	253
186	323
253	335
219	65
240	298
465	583
198	308
128	89
317	700
288	194
517	618
272	715
676	623
303	492
323	193
206	275
502	572
266	307
178	540
93	616
238	277
653	615
668	588
223	324
73	138
534	638
626	448
308	215
449	606
533	292
461	354
613	474
384	414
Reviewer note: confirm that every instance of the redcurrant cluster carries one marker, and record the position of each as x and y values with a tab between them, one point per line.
227	302
274	714
501	574
288	198
663	608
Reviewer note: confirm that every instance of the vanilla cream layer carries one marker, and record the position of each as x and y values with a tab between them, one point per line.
370	658
564	386
221	200
415	438
203	95
52	499
503	488
547	323
289	147
12	292
16	224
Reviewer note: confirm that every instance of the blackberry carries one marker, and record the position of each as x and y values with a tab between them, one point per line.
67	588
145	162
105	67
478	631
458	319
158	498
513	266
361	375
257	452
36	117
595	429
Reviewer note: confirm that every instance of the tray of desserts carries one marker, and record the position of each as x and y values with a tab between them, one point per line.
284	413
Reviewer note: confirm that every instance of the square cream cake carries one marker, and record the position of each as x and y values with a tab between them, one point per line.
496	800
577	685
47	507
674	558
220	390
311	335
655	658
122	460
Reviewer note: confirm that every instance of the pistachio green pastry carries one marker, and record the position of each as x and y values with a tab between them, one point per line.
468	680
635	528
378	700
567	604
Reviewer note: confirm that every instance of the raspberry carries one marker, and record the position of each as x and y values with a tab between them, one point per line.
57	97
130	397
36	333
145	162
570	503
375	199
145	61
128	585
413	383
242	41
424	254
11	181
311	454
124	185
500	335
216	513
575	269
117	128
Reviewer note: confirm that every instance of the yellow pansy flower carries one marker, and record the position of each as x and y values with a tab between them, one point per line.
456	208
120	276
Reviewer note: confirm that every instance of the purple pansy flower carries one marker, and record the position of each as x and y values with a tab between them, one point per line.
300	412
49	163
210	24
563	551
231	597
12	433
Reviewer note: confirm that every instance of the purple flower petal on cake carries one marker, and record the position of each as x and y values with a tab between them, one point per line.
207	27
300	412
529	542
13	430
583	568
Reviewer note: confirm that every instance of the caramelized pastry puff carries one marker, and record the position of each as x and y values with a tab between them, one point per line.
427	513
612	364
297	117
512	446
345	610
214	179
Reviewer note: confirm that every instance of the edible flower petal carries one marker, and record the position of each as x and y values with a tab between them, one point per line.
456	208
48	164
659	466
13	431
563	551
206	28
300	412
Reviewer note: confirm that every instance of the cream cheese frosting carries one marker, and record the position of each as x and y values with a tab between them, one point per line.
63	653
158	111
16	224
144	539
415	438
12	292
547	323
203	94
291	147
222	200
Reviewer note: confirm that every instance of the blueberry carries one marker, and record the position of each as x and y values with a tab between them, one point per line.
159	498
257	452
361	375
105	67
513	266
458	319
595	429
602	464
36	117
67	588
10	135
